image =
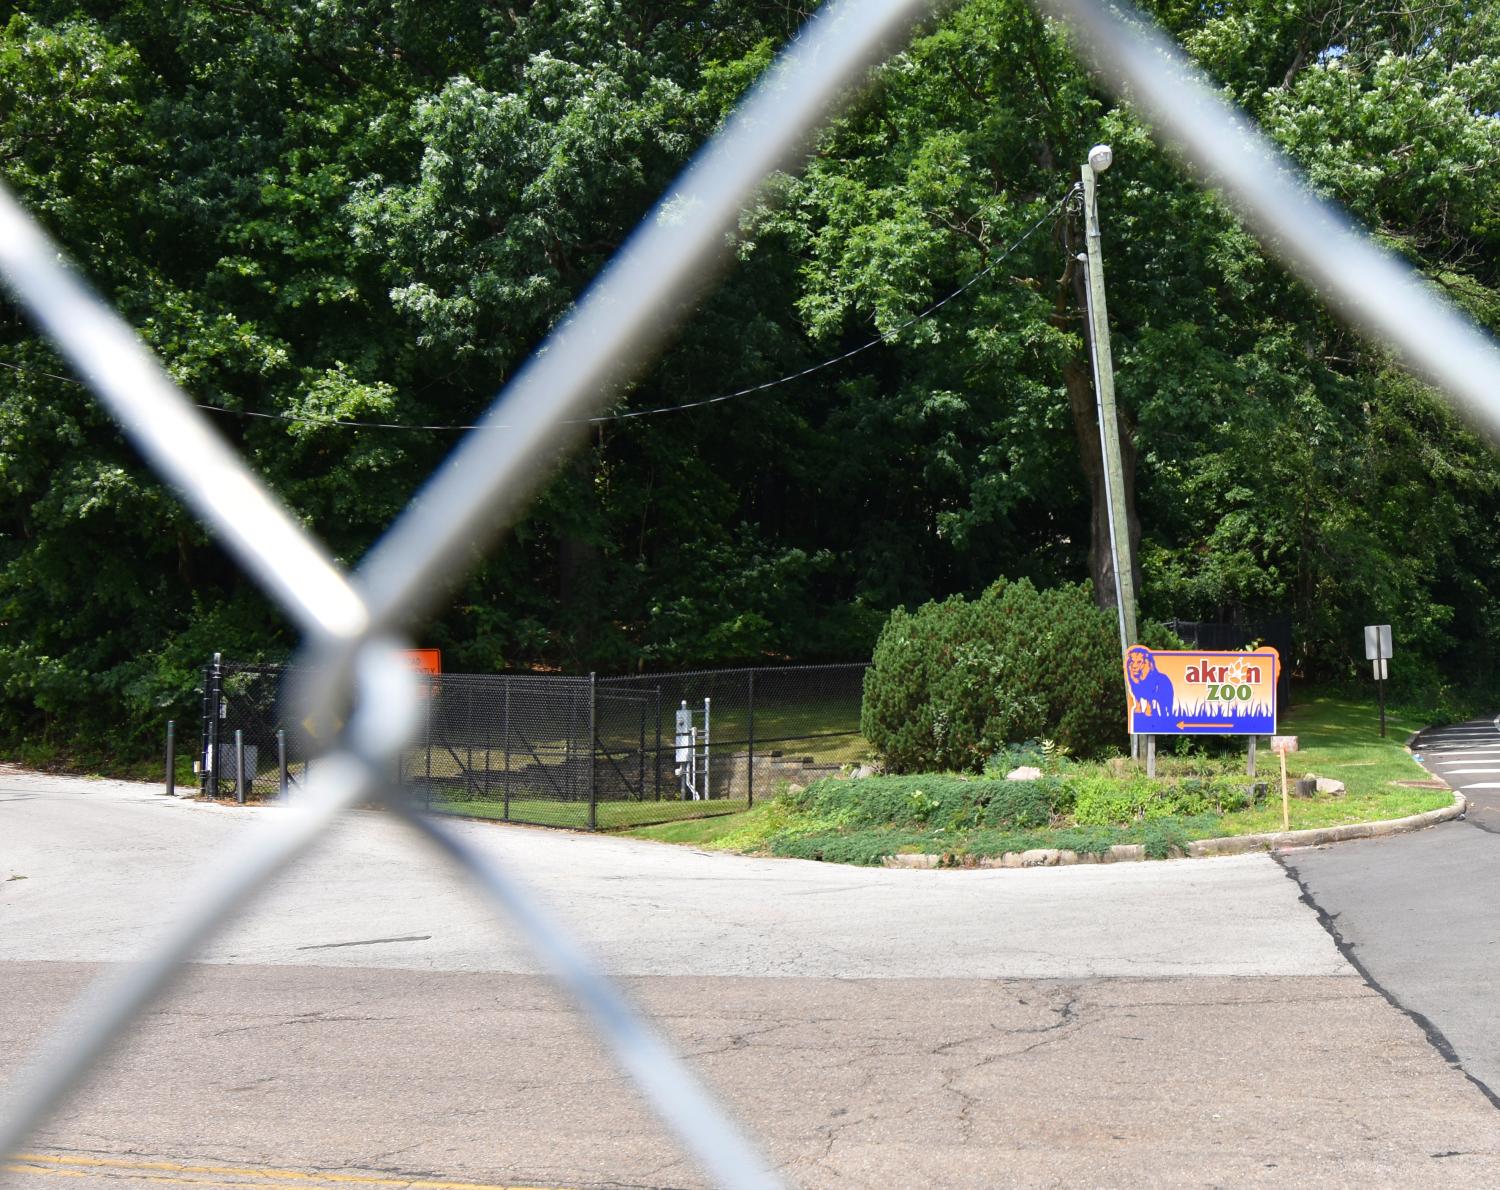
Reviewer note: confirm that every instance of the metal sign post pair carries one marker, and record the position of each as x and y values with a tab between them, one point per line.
1378	652
1200	692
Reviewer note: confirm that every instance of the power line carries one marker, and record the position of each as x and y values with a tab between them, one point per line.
629	414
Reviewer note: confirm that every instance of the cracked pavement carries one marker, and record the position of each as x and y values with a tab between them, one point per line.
1179	1023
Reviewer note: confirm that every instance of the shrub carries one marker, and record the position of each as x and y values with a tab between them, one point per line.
1104	801
1109	801
867	847
953	682
1024	805
935	802
896	714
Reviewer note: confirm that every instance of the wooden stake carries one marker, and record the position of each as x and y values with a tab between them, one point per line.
1286	805
1281	745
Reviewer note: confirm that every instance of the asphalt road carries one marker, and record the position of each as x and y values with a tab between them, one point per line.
1179	1023
1467	756
1419	914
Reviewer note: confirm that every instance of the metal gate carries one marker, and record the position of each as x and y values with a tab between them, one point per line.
628	743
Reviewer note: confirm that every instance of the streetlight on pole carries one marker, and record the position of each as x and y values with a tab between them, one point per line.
1100	158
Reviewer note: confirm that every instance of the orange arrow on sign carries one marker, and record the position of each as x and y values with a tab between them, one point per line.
1181	725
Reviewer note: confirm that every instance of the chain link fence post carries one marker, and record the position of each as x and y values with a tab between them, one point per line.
750	746
593	750
204	717
239	766
505	733
215	709
171	789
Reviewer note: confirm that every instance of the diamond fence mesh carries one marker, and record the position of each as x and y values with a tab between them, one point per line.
351	624
582	752
509	747
242	724
687	745
491	475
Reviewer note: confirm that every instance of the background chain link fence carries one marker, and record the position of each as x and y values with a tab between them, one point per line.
758	730
549	750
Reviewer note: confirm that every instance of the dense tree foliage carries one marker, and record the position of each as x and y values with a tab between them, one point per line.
371	212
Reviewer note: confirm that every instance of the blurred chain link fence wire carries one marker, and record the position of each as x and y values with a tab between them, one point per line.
354	674
355	671
552	750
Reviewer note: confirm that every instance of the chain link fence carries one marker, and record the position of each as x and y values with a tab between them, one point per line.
353	620
686	745
549	750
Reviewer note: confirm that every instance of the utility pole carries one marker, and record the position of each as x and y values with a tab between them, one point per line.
1099	160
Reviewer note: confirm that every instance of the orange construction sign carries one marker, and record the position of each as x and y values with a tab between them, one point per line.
429	664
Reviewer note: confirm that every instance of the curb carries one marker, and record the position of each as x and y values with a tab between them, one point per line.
1226	845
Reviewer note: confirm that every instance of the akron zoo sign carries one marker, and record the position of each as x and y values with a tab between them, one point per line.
1191	692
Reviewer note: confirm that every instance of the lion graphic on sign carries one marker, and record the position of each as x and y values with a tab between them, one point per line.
1151	691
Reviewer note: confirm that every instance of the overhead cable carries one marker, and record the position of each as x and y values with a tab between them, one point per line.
632	414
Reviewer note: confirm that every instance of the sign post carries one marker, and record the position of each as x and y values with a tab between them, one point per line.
1281	745
1378	652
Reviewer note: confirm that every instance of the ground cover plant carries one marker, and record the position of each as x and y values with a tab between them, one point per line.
1087	807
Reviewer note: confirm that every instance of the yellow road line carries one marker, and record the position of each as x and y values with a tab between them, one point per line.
46	1163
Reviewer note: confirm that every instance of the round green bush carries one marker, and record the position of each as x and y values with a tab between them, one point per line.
954	682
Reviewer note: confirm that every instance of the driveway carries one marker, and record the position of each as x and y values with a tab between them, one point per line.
1190	1022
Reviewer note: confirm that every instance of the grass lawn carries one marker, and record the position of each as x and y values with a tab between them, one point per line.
611	815
1339	738
779	718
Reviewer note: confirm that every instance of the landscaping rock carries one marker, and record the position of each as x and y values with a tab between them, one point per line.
866	770
911	861
1040	857
1025	773
1329	785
